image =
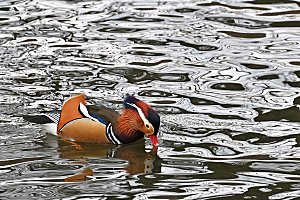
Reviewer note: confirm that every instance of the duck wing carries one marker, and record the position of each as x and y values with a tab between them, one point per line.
77	122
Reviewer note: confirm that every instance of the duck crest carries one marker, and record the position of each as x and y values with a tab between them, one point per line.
135	104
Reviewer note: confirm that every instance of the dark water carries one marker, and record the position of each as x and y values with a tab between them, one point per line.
224	75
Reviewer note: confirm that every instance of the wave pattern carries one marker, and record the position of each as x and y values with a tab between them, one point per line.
223	74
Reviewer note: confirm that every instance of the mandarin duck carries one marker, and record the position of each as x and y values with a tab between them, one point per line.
77	122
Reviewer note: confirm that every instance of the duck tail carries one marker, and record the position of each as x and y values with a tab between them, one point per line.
48	120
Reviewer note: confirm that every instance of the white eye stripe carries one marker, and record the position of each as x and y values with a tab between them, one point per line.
145	120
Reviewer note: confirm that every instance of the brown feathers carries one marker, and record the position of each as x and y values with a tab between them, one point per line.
128	126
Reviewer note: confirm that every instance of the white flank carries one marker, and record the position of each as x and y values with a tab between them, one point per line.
51	128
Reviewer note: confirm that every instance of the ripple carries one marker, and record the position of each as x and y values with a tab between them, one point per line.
276	167
244	35
145	53
255	66
185	10
198	47
232	7
151	64
228	86
139	19
152	93
244	23
285	24
268	77
119	30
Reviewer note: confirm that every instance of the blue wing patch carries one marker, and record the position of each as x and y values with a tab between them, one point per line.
100	119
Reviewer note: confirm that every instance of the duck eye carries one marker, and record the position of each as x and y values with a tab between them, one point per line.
147	126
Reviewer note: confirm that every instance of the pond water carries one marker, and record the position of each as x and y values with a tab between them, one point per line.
224	76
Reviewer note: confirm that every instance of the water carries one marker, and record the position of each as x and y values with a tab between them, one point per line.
224	76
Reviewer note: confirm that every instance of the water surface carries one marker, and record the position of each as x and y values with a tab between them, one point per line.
224	75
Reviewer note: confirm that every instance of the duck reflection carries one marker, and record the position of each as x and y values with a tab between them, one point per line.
139	161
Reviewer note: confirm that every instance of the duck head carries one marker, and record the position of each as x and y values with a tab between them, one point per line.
138	119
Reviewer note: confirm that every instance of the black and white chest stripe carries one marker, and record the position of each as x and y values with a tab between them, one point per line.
111	136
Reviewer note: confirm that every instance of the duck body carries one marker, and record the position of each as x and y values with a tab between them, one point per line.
78	122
